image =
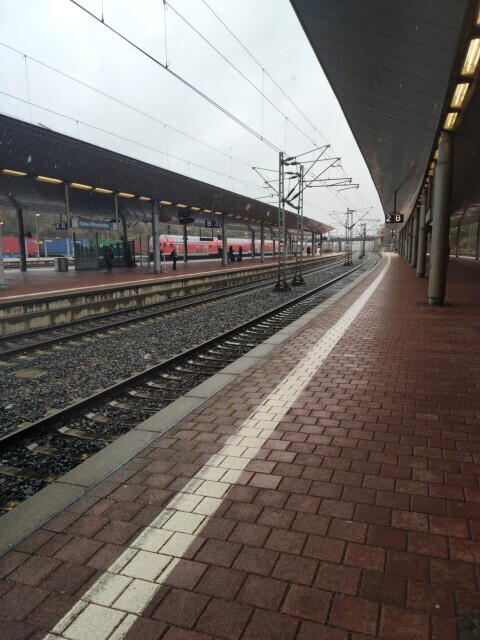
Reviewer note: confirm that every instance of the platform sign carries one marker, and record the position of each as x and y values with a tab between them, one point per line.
61	226
98	225
212	223
394	218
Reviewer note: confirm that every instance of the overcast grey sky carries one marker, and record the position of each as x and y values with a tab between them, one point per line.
159	112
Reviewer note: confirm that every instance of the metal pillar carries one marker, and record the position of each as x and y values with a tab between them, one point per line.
185	243
362	255
477	249
21	240
157	262
262	242
2	272
409	239
224	240
437	282
252	231
314	249
422	236
67	213
459	230
413	260
348	238
298	276
282	284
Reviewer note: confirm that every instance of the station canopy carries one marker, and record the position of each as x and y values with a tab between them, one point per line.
394	67
36	164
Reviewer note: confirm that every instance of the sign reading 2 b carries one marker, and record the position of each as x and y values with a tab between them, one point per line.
394	217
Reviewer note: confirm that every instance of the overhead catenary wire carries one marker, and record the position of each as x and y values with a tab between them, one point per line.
192	87
124	104
117	135
178	77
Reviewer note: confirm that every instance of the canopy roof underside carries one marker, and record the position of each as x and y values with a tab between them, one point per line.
40	152
392	66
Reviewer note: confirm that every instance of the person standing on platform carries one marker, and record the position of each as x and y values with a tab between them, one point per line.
240	254
309	251
231	255
107	256
174	259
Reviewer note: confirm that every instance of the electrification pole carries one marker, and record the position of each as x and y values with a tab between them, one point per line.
282	284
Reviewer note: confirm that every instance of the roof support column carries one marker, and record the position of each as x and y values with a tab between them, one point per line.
185	243
442	198
252	231
2	272
477	249
157	262
413	260
262	242
459	229
313	244
422	236
409	239
224	240
21	239
67	213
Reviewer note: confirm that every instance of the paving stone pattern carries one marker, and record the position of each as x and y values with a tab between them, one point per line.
357	518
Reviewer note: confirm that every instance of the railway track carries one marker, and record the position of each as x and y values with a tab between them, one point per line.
37	455
28	341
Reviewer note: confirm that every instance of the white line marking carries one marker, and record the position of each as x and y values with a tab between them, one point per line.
112	605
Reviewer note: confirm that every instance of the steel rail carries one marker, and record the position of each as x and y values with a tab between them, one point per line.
47	422
137	315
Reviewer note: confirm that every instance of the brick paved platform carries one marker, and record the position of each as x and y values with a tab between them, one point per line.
44	281
331	492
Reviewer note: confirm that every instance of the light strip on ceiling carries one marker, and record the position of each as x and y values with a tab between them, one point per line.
79	185
451	119
206	211
11	172
144	198
472	57
166	203
195	208
47	179
181	206
459	95
122	194
106	191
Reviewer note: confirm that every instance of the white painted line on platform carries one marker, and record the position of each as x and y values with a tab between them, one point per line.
112	605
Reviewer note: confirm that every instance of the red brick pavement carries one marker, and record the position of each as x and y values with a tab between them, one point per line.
360	517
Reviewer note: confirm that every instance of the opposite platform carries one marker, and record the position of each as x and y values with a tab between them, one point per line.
328	492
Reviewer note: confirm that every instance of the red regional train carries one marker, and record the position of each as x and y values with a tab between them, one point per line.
11	250
197	248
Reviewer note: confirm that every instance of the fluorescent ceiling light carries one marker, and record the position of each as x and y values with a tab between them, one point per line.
459	95
206	211
144	198
79	185
165	202
11	172
100	190
450	121
195	208
47	179
181	206
125	195
217	213
472	57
